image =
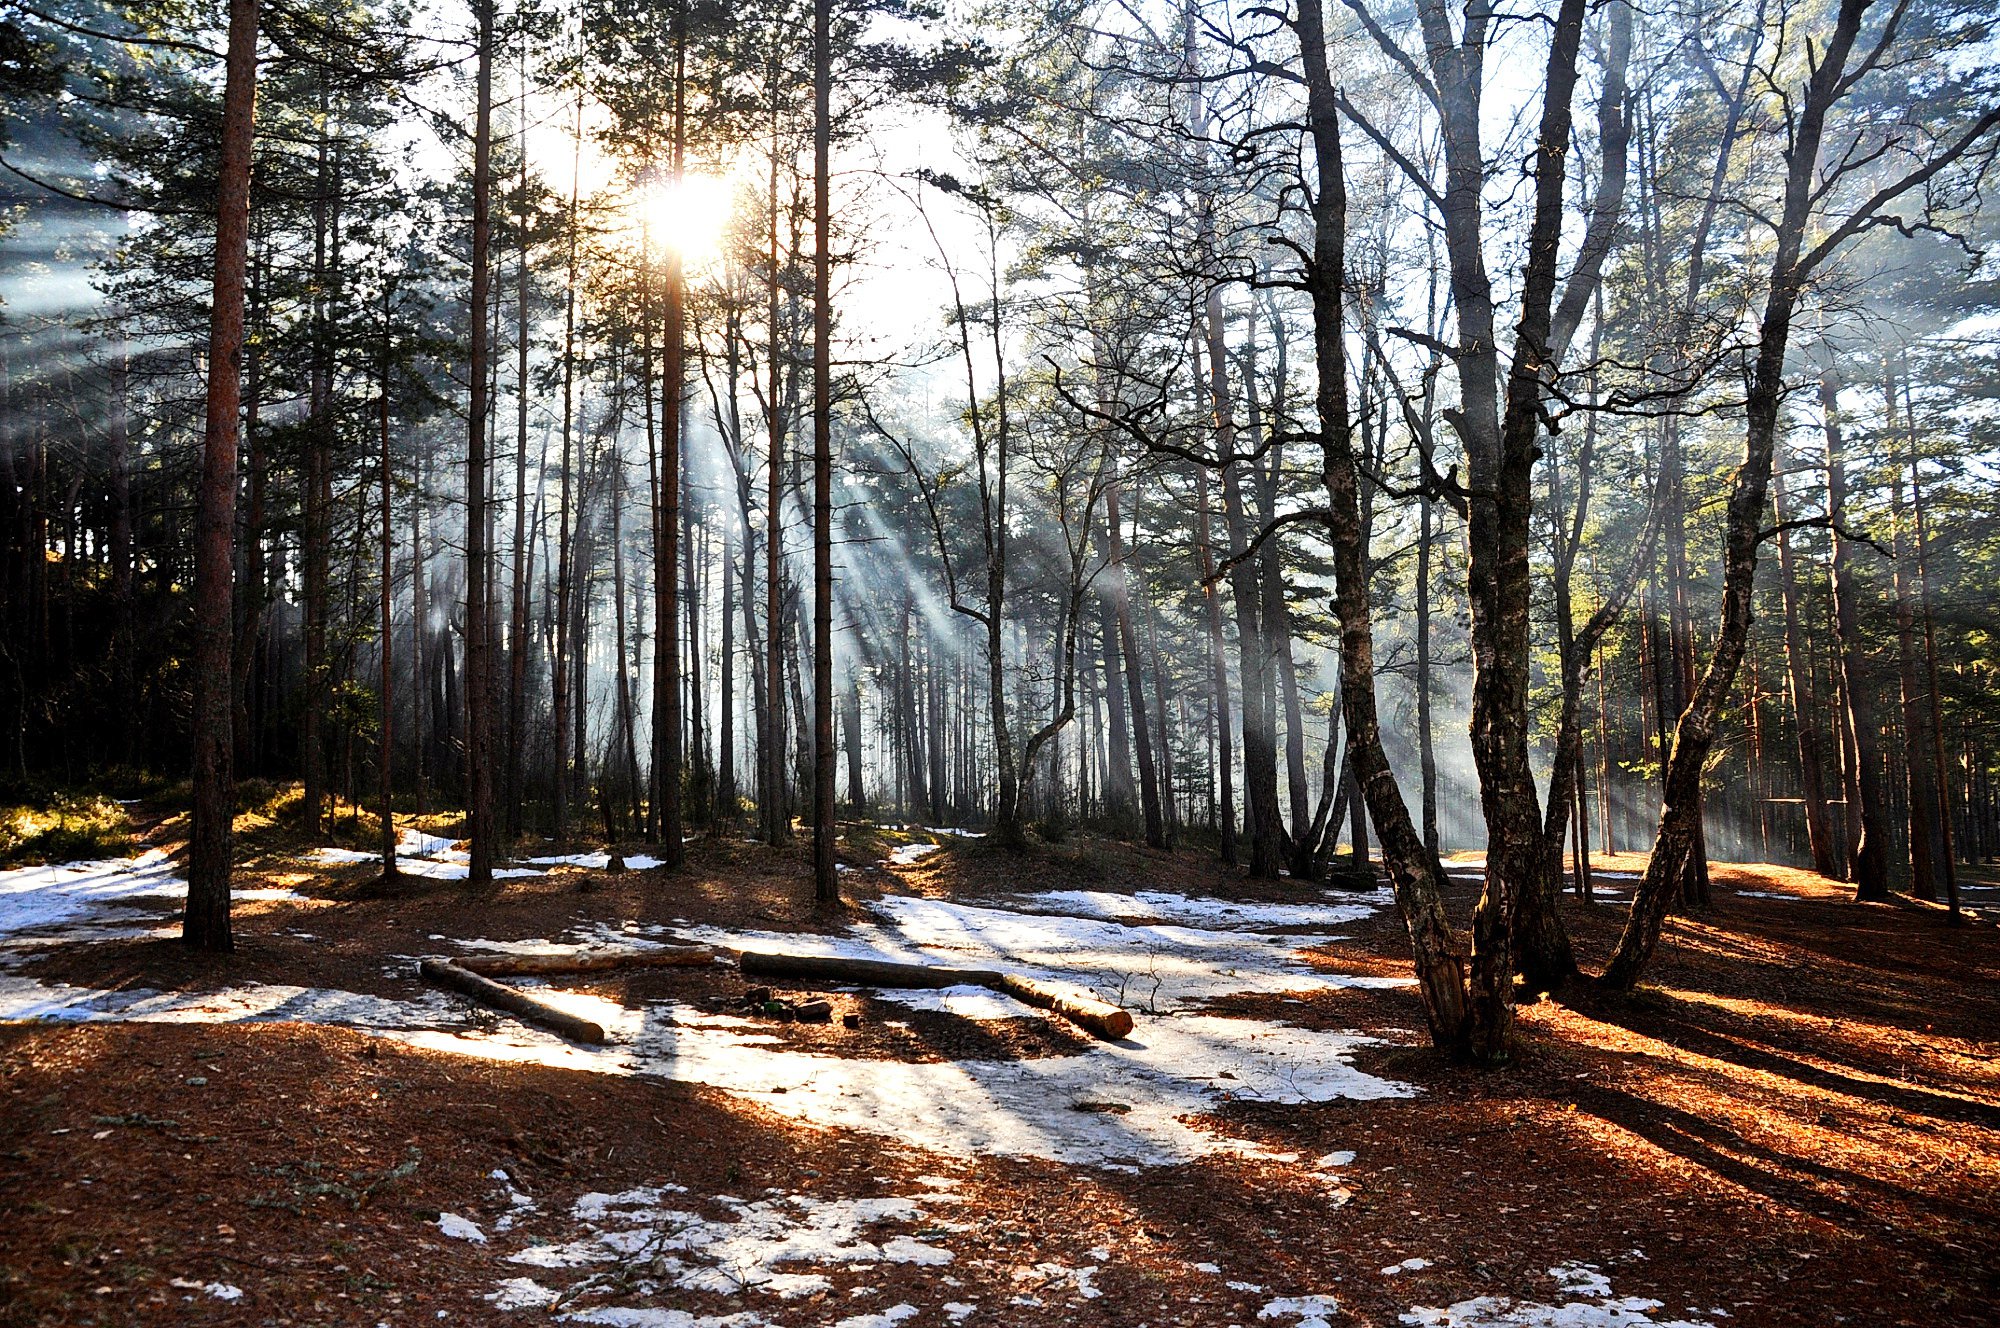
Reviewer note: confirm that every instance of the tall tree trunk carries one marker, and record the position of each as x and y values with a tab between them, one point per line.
1803	698
1260	750
826	880
559	680
1211	595
1868	853
1694	735
517	618
1941	770
1426	741
772	807
315	504
205	924
1135	676
478	604
1919	798
1413	869
385	755
668	718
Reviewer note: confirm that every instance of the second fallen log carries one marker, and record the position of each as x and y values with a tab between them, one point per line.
587	961
519	1004
1087	1012
862	972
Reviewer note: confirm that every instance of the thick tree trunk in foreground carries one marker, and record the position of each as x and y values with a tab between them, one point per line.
1413	869
478	603
826	881
205	925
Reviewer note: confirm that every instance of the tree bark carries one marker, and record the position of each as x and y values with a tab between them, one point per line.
1868	852
1413	870
478	625
826	881
1800	693
1694	735
205	925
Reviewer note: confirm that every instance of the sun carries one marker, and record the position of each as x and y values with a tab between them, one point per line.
689	218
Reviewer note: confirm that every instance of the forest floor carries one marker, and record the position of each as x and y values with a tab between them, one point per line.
1796	1122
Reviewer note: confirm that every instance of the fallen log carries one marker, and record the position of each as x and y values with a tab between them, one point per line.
586	961
1093	1016
862	972
1087	1012
501	997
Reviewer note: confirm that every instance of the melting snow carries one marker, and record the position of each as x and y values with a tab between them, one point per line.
758	1246
459	1228
1119	1105
73	900
596	861
1305	1311
1590	1305
219	1290
432	857
1201	912
1153	969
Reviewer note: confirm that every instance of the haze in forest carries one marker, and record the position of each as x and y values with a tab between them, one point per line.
1309	437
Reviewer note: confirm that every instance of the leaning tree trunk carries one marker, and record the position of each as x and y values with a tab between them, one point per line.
1694	735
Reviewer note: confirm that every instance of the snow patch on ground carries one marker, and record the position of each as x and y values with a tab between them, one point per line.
1060	1277
1151	969
218	1290
459	1228
1588	1303
97	899
1304	1311
909	853
1203	912
26	998
964	1001
647	1242
1120	1105
431	857
596	861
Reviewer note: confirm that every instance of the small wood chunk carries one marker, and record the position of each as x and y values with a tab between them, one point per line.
815	1012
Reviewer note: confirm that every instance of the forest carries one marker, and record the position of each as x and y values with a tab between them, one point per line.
1129	656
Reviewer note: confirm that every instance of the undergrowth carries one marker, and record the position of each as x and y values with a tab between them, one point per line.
63	827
